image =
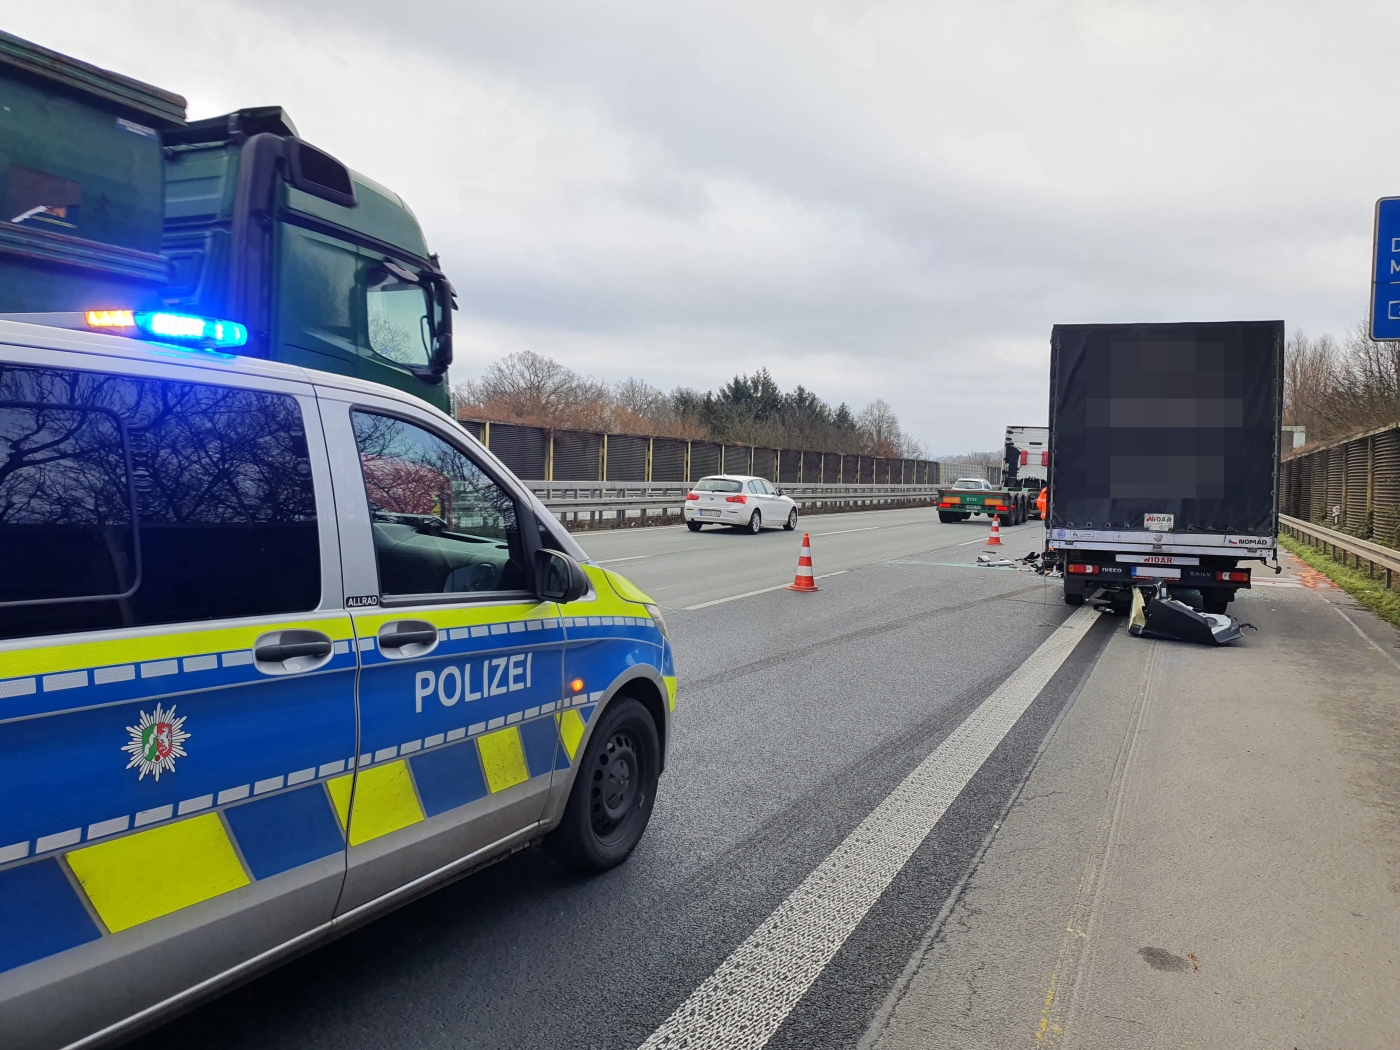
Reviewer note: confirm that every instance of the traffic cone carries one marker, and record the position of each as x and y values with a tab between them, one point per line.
803	581
995	539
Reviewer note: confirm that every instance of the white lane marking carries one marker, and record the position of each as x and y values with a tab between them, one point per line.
827	575
613	561
843	532
735	597
743	1003
1370	642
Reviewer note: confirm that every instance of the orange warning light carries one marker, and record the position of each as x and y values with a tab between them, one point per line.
576	685
110	319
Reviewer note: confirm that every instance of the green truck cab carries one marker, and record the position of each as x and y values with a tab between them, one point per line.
115	204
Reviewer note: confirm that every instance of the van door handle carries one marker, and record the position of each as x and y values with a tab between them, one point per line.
281	651
403	638
292	651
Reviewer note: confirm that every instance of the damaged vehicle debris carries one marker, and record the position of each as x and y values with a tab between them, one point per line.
1175	621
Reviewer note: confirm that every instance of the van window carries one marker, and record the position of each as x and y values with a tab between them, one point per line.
441	524
67	504
224	521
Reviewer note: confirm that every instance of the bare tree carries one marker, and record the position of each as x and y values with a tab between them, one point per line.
881	426
1336	389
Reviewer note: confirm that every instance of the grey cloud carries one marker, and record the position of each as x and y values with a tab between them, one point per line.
878	200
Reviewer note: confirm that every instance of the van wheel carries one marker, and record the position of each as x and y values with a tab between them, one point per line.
613	792
1215	601
792	520
693	526
755	523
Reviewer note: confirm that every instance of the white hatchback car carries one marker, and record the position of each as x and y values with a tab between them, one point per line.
740	501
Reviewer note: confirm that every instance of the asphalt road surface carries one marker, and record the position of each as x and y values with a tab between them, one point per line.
798	715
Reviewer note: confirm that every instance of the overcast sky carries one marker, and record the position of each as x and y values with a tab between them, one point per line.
888	200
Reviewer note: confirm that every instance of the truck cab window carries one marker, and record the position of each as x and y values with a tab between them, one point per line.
397	314
441	525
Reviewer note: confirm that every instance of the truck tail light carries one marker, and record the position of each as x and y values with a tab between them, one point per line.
1232	577
736	499
1082	570
1045	459
1025	457
692	495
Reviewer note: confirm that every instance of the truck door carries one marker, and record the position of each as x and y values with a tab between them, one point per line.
461	668
178	681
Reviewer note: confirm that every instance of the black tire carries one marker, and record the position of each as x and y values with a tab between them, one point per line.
1006	520
792	520
755	523
693	526
1073	599
948	517
613	792
1215	601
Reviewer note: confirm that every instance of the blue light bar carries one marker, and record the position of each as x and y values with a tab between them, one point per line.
191	330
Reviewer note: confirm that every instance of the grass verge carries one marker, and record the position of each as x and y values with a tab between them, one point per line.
1371	593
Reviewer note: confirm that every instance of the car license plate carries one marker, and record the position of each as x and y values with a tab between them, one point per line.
711	513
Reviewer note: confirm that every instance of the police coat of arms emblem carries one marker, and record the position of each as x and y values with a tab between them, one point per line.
156	742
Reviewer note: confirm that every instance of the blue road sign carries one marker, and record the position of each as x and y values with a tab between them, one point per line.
1385	271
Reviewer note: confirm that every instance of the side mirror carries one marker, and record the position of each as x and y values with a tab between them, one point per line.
781	492
444	298
558	578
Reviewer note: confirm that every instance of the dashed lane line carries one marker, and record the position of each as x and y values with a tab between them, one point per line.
744	1002
735	597
780	586
614	561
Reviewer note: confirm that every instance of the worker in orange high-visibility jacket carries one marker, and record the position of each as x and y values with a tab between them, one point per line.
1041	501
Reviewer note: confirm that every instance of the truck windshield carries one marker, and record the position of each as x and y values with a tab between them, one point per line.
397	311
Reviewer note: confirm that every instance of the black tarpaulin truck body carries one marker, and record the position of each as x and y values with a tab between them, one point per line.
1164	447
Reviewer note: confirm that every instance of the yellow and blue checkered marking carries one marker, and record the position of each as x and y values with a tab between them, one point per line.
128	879
225	832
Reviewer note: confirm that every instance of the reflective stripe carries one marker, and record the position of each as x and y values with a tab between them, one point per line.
133	648
459	622
503	759
384	801
140	877
570	731
670	681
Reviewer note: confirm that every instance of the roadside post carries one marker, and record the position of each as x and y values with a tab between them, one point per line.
1385	271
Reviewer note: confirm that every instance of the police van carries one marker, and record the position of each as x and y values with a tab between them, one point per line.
279	651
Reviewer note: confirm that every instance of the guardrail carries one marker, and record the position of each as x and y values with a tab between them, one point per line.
602	501
1376	557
